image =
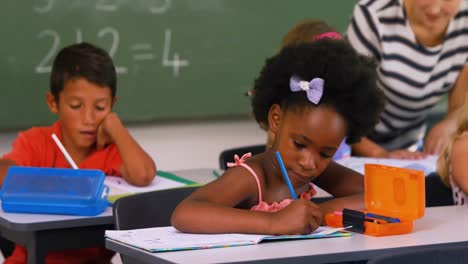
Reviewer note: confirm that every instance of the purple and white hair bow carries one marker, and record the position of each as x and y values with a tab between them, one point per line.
314	88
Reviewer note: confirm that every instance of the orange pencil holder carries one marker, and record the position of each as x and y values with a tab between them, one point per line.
394	198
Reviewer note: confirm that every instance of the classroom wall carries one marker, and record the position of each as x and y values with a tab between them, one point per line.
187	145
176	59
224	42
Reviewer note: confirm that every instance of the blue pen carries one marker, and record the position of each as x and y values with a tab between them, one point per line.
285	174
382	217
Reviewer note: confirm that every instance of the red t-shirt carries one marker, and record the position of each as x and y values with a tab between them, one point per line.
35	147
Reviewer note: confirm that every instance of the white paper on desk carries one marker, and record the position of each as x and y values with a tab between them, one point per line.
159	239
427	165
169	239
118	185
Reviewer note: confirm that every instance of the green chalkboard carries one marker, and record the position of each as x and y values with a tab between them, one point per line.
176	59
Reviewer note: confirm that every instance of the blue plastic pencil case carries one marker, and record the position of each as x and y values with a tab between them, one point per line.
54	191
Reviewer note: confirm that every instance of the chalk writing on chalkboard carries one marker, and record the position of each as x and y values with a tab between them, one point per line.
153	6
209	51
139	51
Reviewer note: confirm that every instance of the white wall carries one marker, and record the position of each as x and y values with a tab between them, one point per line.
187	145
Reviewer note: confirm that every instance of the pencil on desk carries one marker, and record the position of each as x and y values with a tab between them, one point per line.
285	174
64	151
216	174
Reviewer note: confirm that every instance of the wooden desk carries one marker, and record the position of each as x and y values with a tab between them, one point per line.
441	227
41	233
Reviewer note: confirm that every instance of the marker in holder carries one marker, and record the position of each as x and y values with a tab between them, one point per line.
394	197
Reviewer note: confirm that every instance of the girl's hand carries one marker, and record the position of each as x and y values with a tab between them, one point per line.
104	131
300	217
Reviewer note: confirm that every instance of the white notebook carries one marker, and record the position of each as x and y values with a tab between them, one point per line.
427	165
160	239
118	187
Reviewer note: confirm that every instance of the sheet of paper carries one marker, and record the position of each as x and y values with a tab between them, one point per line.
118	185
321	231
427	165
168	238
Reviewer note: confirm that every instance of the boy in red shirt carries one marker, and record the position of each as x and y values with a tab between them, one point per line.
82	94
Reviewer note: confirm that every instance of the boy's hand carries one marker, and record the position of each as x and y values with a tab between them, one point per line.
300	217
105	129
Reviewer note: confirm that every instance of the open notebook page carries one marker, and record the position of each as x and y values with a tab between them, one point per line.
160	239
118	185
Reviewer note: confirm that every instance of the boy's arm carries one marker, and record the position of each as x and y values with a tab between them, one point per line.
4	165
368	148
138	168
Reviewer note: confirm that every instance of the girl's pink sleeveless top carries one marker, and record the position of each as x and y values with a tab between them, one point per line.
262	205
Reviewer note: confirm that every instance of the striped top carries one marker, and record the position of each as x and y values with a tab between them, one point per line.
413	77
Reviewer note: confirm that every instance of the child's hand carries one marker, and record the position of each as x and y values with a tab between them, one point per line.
104	133
300	217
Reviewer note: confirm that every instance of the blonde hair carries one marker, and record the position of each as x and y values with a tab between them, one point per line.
443	161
